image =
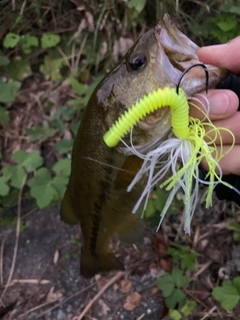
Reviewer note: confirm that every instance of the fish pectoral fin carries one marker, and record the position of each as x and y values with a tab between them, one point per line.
93	264
126	174
67	211
132	229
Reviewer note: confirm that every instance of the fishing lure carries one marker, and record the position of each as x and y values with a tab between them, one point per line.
189	142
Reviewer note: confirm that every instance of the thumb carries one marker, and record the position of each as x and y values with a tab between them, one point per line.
222	55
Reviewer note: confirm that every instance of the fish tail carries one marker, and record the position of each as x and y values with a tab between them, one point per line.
104	262
67	211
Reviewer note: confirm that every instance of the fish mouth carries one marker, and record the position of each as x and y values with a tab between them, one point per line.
177	53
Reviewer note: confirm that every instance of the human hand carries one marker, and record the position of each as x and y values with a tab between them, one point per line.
224	103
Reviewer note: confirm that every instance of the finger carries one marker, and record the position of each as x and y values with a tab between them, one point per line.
231	124
229	163
223	104
223	55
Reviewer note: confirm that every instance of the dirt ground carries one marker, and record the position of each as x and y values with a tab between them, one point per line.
46	283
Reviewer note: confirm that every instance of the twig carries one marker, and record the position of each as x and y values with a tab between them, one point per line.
28	281
1	260
18	227
104	288
60	303
23	7
208	313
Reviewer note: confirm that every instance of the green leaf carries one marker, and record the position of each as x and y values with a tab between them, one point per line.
42	177
9	90
51	67
60	184
11	40
18	177
236	283
27	42
179	279
41	133
19	69
227	295
138	5
44	195
175	315
189	261
4	188
74	128
30	161
4	116
78	87
227	22
177	297
4	61
50	40
63	166
165	284
188	308
64	146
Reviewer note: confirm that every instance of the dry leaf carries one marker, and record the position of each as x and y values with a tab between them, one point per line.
104	307
56	257
125	286
53	296
132	301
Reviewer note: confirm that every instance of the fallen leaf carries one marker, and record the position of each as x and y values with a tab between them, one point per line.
104	307
132	301
53	296
125	286
56	257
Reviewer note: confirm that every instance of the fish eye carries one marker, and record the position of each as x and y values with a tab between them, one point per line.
137	61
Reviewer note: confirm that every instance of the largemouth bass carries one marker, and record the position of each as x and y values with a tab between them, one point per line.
96	195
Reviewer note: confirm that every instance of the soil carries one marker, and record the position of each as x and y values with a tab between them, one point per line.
50	286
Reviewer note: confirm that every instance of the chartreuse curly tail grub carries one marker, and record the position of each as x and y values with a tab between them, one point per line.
189	142
153	101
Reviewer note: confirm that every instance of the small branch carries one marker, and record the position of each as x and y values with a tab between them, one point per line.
18	227
108	284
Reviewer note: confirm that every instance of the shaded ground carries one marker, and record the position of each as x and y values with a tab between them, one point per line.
47	257
46	283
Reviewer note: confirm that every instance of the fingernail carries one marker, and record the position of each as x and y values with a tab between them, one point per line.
219	103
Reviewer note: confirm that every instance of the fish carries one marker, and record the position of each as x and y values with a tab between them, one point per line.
96	194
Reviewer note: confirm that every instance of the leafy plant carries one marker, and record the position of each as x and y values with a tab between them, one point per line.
181	254
228	294
171	285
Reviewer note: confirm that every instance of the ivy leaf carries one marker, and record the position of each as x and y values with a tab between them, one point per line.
4	116
227	22
28	42
189	261
18	176
4	188
64	146
236	283
42	177
179	279
50	40
78	87
4	61
30	161
227	295
44	194
60	183
165	284
11	40
9	90
177	297
63	166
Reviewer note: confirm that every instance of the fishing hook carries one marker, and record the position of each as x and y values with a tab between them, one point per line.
185	71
